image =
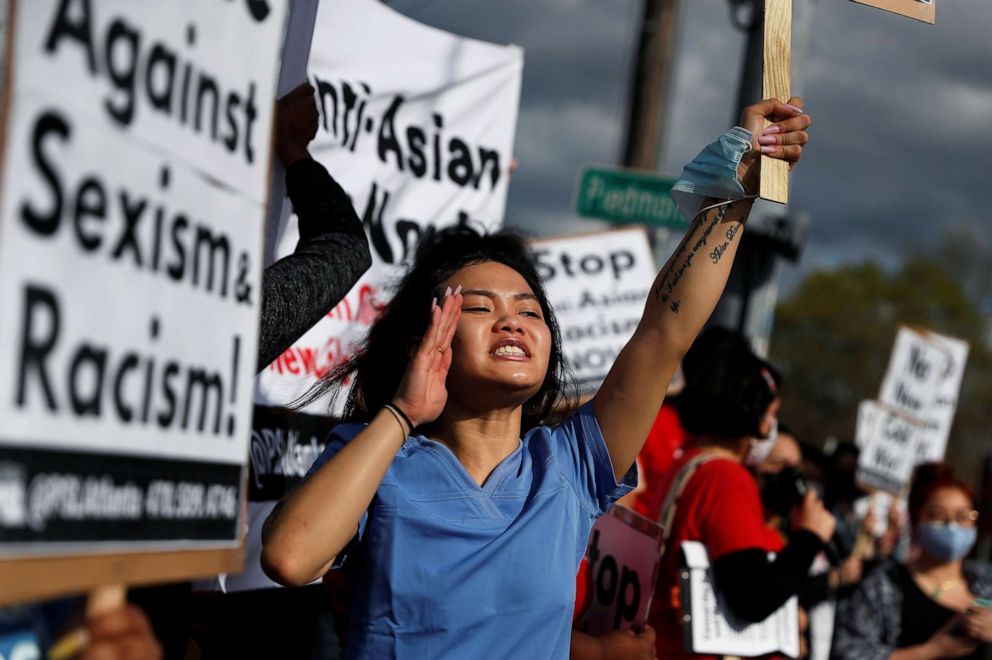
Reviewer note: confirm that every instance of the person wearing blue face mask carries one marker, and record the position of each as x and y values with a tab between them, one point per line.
937	604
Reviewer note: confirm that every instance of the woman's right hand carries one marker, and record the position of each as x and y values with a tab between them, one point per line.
945	644
813	516
422	392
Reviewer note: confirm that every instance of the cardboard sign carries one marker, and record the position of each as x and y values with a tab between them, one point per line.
920	10
923	381
622	568
136	146
598	284
417	126
710	627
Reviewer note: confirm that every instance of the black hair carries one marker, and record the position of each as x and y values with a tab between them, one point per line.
376	370
728	395
711	344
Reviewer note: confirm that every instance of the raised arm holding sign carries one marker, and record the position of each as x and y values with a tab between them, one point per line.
444	476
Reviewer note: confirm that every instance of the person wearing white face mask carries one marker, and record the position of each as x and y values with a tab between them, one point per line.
730	412
937	605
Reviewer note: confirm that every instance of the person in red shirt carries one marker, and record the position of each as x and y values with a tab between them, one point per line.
666	440
730	411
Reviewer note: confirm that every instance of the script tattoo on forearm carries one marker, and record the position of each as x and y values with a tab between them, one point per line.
682	259
718	251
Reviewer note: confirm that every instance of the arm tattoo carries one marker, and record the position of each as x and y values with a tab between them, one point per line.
682	259
718	251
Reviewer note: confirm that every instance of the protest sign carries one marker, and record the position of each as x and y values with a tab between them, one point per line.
867	420
923	381
136	147
710	627
889	440
598	284
622	568
911	421
920	10
417	125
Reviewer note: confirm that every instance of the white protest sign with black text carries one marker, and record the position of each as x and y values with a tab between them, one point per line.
923	380
134	182
867	422
710	627
598	285
417	126
889	440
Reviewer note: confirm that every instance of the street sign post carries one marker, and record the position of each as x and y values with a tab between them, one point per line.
622	196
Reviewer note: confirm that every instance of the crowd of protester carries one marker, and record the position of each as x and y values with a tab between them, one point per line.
459	513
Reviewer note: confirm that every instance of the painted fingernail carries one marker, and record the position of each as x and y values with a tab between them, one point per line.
767	150
458	290
433	303
766	139
795	108
768	130
447	292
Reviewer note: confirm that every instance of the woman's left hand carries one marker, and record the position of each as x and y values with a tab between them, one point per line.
783	139
977	623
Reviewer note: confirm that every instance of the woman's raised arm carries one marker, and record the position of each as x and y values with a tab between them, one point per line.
687	289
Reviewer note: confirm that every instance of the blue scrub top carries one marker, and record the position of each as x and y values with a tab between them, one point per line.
444	568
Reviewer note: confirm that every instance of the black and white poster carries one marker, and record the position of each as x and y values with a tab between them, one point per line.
136	151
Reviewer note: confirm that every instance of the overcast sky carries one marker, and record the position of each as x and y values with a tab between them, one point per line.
903	111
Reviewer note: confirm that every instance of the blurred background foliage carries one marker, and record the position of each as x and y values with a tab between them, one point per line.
834	333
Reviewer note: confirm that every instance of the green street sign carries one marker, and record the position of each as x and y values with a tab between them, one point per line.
626	197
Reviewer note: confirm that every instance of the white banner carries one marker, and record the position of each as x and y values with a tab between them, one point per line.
598	284
135	164
417	125
923	380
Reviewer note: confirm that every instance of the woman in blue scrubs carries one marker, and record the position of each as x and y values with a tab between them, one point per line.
460	518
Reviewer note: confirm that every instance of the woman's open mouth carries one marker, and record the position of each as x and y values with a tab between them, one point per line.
511	349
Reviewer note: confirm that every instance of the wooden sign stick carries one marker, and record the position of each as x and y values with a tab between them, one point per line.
776	77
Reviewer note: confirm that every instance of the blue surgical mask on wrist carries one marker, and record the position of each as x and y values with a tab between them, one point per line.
713	173
946	542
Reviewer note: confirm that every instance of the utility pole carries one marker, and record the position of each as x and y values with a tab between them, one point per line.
646	108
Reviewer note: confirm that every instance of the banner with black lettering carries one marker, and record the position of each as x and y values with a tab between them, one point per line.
598	284
136	149
417	125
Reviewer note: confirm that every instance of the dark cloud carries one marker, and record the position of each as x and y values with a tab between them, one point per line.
903	111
